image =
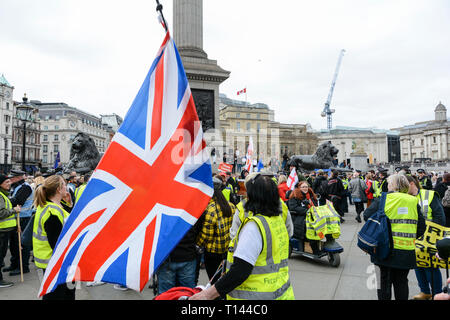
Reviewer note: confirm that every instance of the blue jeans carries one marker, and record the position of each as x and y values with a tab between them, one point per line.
176	274
423	276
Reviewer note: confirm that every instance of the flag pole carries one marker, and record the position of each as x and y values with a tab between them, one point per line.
159	8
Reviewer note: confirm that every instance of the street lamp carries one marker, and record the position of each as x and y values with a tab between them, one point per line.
25	113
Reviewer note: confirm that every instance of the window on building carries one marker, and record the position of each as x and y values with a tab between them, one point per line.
45	137
56	137
258	116
44	158
248	126
45	148
238	126
56	148
7	106
6	129
258	127
56	127
238	115
434	139
249	115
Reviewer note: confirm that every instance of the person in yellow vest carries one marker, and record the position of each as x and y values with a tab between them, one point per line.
8	224
79	190
257	260
241	214
48	223
407	224
428	279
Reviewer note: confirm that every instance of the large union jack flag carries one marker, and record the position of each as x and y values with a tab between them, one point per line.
150	187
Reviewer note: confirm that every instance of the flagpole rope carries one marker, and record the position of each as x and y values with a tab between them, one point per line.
159	8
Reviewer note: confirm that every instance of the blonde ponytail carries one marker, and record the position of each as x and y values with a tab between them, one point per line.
47	190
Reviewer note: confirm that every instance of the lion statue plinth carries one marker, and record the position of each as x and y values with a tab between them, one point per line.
84	155
322	159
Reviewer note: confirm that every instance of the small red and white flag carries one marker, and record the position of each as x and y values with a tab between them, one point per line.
242	91
292	179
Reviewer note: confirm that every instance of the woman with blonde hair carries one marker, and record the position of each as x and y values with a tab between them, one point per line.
406	224
48	223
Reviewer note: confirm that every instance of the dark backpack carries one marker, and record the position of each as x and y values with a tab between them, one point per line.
375	236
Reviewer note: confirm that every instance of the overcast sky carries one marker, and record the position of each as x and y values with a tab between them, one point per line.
94	54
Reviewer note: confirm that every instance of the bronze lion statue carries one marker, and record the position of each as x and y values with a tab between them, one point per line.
84	155
322	159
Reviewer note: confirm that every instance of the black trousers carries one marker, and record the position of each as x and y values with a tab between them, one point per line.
392	277
62	292
359	206
212	263
4	240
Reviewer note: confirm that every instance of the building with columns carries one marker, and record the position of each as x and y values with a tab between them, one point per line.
271	139
427	139
380	146
60	123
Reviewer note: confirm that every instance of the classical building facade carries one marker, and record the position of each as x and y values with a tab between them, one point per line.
271	139
427	139
60	123
6	123
32	129
380	146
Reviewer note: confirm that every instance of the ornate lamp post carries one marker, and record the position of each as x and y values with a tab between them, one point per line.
25	113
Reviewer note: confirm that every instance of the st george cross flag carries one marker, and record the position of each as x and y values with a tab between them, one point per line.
249	163
292	179
242	91
150	187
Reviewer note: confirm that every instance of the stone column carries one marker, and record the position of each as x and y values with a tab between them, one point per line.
188	27
204	75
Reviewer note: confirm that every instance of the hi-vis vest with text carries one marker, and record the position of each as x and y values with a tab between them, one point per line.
269	279
41	248
246	214
401	209
10	221
320	222
425	197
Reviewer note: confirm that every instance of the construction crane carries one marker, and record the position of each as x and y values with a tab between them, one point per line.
327	112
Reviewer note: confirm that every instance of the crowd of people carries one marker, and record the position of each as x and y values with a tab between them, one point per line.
238	238
32	213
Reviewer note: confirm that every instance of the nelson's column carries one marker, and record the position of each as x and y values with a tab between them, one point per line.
204	75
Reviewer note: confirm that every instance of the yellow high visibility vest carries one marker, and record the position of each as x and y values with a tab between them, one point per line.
320	222
79	191
269	279
401	209
425	197
10	221
41	248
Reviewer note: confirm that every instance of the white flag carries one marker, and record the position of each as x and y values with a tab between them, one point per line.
293	179
248	162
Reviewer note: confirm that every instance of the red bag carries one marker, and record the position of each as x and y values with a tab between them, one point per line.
177	292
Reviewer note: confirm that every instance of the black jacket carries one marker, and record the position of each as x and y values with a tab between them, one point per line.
400	259
298	209
185	250
440	189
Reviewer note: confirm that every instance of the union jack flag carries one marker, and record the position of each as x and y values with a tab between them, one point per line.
150	187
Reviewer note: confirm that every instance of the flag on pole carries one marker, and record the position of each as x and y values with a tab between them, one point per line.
248	162
152	184
292	179
260	166
57	161
242	91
